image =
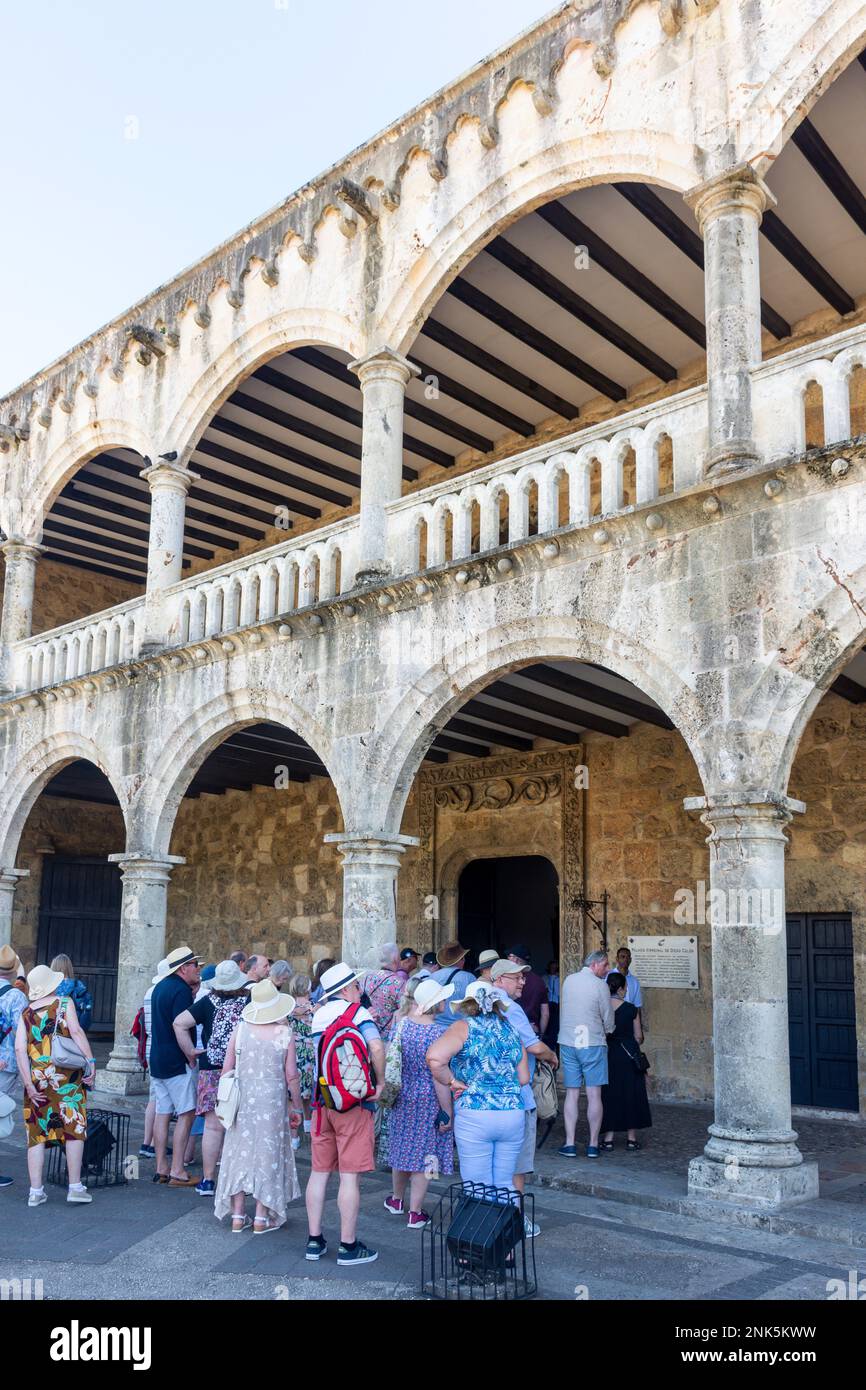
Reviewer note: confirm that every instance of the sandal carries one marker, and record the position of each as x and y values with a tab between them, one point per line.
244	1226
186	1181
607	1145
263	1224
633	1146
160	1177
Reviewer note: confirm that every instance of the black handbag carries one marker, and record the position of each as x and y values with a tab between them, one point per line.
640	1059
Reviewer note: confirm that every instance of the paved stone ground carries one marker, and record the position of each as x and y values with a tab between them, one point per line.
145	1240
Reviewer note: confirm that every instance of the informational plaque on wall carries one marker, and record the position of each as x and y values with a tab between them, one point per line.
665	962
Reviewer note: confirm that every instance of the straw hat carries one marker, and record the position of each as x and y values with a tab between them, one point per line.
42	981
337	978
182	955
10	963
226	977
267	1004
486	959
452	953
429	993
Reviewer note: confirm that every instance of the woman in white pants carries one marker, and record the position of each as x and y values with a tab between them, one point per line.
484	1062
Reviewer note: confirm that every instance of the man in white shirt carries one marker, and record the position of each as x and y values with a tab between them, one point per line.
586	1017
632	983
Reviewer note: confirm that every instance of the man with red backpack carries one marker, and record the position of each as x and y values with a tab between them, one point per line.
350	1071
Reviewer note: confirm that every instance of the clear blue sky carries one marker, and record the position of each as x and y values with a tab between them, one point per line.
237	103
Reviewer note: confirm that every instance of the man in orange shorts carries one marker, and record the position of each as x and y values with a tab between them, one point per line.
343	1141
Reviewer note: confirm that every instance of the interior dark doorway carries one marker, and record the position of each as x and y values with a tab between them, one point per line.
79	916
502	902
822	1022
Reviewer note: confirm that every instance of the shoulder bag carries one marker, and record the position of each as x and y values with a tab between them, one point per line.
65	1053
228	1099
393	1069
639	1059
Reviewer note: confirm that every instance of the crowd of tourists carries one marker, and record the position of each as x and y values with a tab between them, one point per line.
252	1059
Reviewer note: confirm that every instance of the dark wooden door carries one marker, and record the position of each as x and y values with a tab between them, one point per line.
821	1018
79	914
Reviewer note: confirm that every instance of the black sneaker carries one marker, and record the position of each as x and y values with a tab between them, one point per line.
317	1246
358	1255
6	1182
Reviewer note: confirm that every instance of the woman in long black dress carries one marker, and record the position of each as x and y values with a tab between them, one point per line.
624	1097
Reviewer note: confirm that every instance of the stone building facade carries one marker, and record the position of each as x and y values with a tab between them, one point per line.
620	633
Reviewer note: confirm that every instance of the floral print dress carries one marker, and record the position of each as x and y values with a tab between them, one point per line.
305	1048
63	1114
257	1155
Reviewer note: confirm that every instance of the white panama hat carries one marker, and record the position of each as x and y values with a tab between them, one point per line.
429	993
267	1004
337	978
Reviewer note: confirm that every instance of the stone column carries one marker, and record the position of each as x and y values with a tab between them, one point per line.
18	586
142	946
9	879
370	867
729	208
751	1157
169	486
384	376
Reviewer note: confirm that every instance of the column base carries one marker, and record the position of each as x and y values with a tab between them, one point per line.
732	457
753	1186
122	1083
373	575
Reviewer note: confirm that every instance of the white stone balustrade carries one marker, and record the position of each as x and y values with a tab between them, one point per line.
294	574
780	386
77	649
571	483
559	477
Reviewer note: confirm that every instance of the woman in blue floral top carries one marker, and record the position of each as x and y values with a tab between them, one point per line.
484	1062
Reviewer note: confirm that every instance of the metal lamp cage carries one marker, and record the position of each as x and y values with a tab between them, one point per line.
475	1248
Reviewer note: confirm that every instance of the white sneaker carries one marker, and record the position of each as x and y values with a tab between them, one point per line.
530	1228
82	1196
37	1198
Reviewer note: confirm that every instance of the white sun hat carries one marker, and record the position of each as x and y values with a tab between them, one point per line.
429	993
267	1004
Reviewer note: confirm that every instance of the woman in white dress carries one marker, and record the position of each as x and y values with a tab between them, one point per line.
257	1156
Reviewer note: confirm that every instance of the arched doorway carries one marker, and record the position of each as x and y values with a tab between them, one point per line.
505	901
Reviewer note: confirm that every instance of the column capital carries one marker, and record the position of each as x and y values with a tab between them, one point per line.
16	548
9	877
384	365
734	815
168	477
734	190
136	864
371	849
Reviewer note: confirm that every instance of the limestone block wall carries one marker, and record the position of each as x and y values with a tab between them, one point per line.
642	847
258	874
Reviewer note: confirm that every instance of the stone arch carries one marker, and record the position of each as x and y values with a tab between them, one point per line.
814	61
439	692
153	815
624	155
291	328
97	437
23	785
816	651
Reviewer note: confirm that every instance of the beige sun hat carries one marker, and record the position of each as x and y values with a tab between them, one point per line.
181	955
486	959
429	993
42	981
267	1004
507	967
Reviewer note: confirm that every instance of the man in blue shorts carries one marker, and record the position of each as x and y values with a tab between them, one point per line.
585	1019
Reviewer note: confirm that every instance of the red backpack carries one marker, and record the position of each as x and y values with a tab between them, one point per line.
345	1071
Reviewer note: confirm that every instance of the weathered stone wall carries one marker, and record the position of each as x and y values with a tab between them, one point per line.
642	846
258	873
